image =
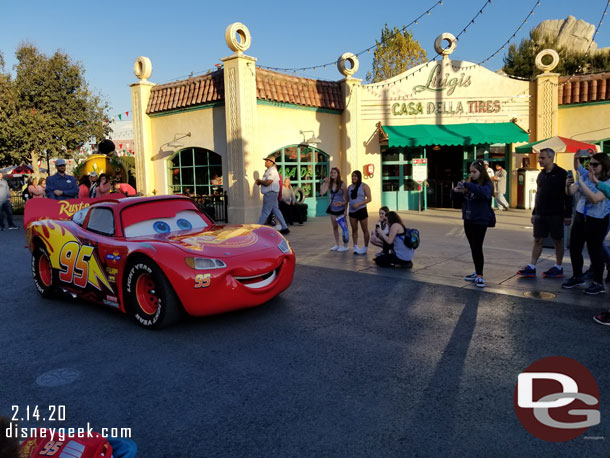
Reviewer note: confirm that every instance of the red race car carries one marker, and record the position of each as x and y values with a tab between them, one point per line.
153	257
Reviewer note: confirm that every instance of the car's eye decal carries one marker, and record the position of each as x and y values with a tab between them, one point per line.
161	227
186	220
184	224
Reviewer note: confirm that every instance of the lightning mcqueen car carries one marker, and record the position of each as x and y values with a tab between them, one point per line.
154	257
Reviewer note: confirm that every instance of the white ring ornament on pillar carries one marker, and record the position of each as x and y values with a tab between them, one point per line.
438	43
547	67
352	59
142	68
235	30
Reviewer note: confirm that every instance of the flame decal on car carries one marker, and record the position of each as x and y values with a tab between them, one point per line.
59	242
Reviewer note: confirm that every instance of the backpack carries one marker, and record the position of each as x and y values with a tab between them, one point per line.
25	194
95	446
412	238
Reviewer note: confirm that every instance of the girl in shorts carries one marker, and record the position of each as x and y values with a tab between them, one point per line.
336	208
359	195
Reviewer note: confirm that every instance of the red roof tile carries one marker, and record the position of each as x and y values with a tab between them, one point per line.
272	86
584	88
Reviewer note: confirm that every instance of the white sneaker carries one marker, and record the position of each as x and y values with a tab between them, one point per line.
361	250
356	249
277	227
335	248
342	248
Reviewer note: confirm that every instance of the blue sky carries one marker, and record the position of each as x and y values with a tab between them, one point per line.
188	35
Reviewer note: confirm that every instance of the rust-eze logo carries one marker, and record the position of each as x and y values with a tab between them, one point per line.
68	209
557	399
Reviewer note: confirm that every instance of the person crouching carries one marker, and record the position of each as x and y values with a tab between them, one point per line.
395	252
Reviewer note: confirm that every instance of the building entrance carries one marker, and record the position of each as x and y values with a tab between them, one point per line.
445	169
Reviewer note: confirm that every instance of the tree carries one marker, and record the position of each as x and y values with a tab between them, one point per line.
396	52
520	60
54	110
7	113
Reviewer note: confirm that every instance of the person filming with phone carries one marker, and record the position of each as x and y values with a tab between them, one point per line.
477	214
591	219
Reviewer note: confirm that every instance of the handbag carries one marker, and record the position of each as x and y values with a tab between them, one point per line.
492	216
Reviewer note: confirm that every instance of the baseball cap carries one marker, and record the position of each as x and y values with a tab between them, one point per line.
60	162
93	174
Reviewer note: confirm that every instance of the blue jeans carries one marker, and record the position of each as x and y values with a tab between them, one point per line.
5	207
606	251
271	205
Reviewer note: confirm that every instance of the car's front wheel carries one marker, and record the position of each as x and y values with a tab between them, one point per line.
149	296
42	272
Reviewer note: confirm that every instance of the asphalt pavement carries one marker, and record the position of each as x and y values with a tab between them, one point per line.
351	361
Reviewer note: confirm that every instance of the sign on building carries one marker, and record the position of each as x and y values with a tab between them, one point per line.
420	170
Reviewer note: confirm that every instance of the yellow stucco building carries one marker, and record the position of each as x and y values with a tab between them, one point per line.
412	136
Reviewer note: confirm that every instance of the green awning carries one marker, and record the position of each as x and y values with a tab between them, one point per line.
525	149
455	134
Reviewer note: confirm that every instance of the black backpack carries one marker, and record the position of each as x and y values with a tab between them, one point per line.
412	238
25	194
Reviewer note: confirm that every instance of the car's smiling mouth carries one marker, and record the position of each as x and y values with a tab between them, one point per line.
258	281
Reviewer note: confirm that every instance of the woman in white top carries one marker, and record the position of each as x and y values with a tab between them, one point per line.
359	195
336	207
288	204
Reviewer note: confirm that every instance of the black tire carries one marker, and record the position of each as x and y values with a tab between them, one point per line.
42	273
299	195
149	296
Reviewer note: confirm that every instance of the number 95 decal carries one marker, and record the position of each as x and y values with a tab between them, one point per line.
203	280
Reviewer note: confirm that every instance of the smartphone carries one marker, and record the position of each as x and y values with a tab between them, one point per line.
570	174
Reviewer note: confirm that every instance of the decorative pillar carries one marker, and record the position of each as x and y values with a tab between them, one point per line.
244	160
547	96
350	88
142	134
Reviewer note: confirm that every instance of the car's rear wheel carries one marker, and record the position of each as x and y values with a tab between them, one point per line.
42	272
149	296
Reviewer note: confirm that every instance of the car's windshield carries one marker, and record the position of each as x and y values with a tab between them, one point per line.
161	217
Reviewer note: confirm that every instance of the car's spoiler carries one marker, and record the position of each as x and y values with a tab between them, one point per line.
37	209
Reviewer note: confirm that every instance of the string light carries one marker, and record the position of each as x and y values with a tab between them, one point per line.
368	50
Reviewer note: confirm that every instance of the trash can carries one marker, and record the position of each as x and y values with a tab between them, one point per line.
526	188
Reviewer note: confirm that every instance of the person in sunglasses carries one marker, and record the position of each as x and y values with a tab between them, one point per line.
590	224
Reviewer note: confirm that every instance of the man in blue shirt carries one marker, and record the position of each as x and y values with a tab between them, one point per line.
61	186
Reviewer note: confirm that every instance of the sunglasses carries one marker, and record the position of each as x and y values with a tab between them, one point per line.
594	164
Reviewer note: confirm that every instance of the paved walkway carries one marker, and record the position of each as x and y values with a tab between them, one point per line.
444	256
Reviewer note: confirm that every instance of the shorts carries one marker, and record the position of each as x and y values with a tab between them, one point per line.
335	212
545	224
360	214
